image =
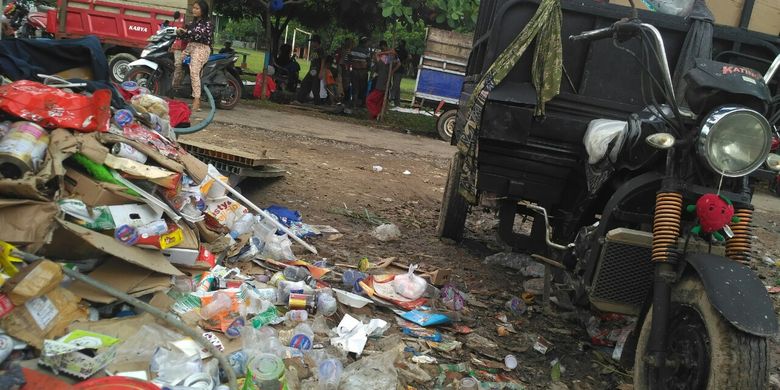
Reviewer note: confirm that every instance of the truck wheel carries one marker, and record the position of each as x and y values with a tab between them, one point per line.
231	95
120	66
707	351
446	124
144	77
452	216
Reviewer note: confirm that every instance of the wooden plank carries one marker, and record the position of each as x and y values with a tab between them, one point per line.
765	18
449	45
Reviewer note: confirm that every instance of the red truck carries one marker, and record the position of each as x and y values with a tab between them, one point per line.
123	27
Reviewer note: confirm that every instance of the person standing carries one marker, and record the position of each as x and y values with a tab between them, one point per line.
385	64
403	57
344	69
199	36
359	58
311	83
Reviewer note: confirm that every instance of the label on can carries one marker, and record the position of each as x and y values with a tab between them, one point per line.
26	142
122	149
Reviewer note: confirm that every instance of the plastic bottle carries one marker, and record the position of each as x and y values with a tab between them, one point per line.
285	287
156	228
220	303
303	337
263	227
351	277
330	374
326	304
297	315
296	274
243	225
268	372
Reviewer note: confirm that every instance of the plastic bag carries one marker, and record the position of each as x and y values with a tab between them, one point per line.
141	346
601	133
150	104
376	372
52	108
410	285
670	7
278	248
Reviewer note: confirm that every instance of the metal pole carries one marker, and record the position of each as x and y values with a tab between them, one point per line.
63	15
286	30
264	214
295	31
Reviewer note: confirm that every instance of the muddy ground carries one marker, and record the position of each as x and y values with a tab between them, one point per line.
326	178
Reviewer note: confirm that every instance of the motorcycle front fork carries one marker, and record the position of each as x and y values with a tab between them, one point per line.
665	276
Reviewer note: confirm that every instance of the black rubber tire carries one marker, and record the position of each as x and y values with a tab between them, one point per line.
737	360
116	64
454	208
142	75
445	125
235	97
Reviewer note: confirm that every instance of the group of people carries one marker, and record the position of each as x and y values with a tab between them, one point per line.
354	76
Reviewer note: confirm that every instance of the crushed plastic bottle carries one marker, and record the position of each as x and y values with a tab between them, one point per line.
243	225
297	315
330	374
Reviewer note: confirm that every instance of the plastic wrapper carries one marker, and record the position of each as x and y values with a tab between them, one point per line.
410	285
670	7
278	248
603	134
54	108
174	366
376	372
150	104
140	347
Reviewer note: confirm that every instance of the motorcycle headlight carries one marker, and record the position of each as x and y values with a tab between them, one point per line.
735	141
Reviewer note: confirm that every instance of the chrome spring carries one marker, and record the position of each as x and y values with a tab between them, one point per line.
739	247
666	224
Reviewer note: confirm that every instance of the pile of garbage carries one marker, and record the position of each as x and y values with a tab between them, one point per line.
127	261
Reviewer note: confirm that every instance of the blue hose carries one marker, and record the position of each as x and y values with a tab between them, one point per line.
202	125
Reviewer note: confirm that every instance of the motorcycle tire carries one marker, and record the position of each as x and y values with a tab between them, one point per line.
735	360
454	208
144	76
119	66
445	125
231	94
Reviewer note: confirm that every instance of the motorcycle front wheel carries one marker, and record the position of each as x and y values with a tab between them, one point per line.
704	350
231	95
144	77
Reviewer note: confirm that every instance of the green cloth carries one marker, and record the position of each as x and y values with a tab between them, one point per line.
545	27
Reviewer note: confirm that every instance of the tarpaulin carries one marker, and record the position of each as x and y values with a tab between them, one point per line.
23	59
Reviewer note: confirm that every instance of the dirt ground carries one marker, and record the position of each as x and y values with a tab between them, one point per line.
326	177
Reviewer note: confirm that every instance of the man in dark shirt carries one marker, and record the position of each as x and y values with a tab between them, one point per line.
311	83
403	57
359	59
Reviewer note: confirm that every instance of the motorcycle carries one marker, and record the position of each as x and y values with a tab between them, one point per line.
155	69
628	242
26	24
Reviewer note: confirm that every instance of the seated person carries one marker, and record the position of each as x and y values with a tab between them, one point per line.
228	49
286	66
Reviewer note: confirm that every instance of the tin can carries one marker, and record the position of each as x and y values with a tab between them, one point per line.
268	372
123	118
23	149
6	347
124	150
299	301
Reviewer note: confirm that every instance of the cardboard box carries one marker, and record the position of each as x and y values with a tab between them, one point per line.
94	193
64	355
45	317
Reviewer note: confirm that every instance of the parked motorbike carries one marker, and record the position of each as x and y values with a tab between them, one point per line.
154	71
26	24
648	244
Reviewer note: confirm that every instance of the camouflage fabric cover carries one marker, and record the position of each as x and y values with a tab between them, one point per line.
545	27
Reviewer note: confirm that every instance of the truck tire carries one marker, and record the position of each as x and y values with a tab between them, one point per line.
119	66
446	124
699	335
452	216
232	94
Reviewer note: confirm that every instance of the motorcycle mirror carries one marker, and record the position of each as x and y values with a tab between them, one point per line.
176	15
773	162
661	140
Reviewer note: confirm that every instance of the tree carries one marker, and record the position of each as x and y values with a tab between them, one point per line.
460	15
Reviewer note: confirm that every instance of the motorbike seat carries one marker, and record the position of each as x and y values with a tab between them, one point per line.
212	58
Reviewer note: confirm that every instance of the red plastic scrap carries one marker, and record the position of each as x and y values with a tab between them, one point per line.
54	108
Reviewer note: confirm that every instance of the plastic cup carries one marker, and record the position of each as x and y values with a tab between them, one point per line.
330	374
327	305
469	383
510	361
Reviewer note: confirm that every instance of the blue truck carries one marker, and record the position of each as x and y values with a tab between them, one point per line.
440	76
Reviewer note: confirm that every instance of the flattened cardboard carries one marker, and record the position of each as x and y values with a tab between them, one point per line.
33	281
116	273
26	221
94	193
145	258
44	318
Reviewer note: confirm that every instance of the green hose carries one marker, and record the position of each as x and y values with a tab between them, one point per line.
202	125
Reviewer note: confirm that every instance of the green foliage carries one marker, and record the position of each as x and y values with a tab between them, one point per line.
413	33
245	30
458	15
